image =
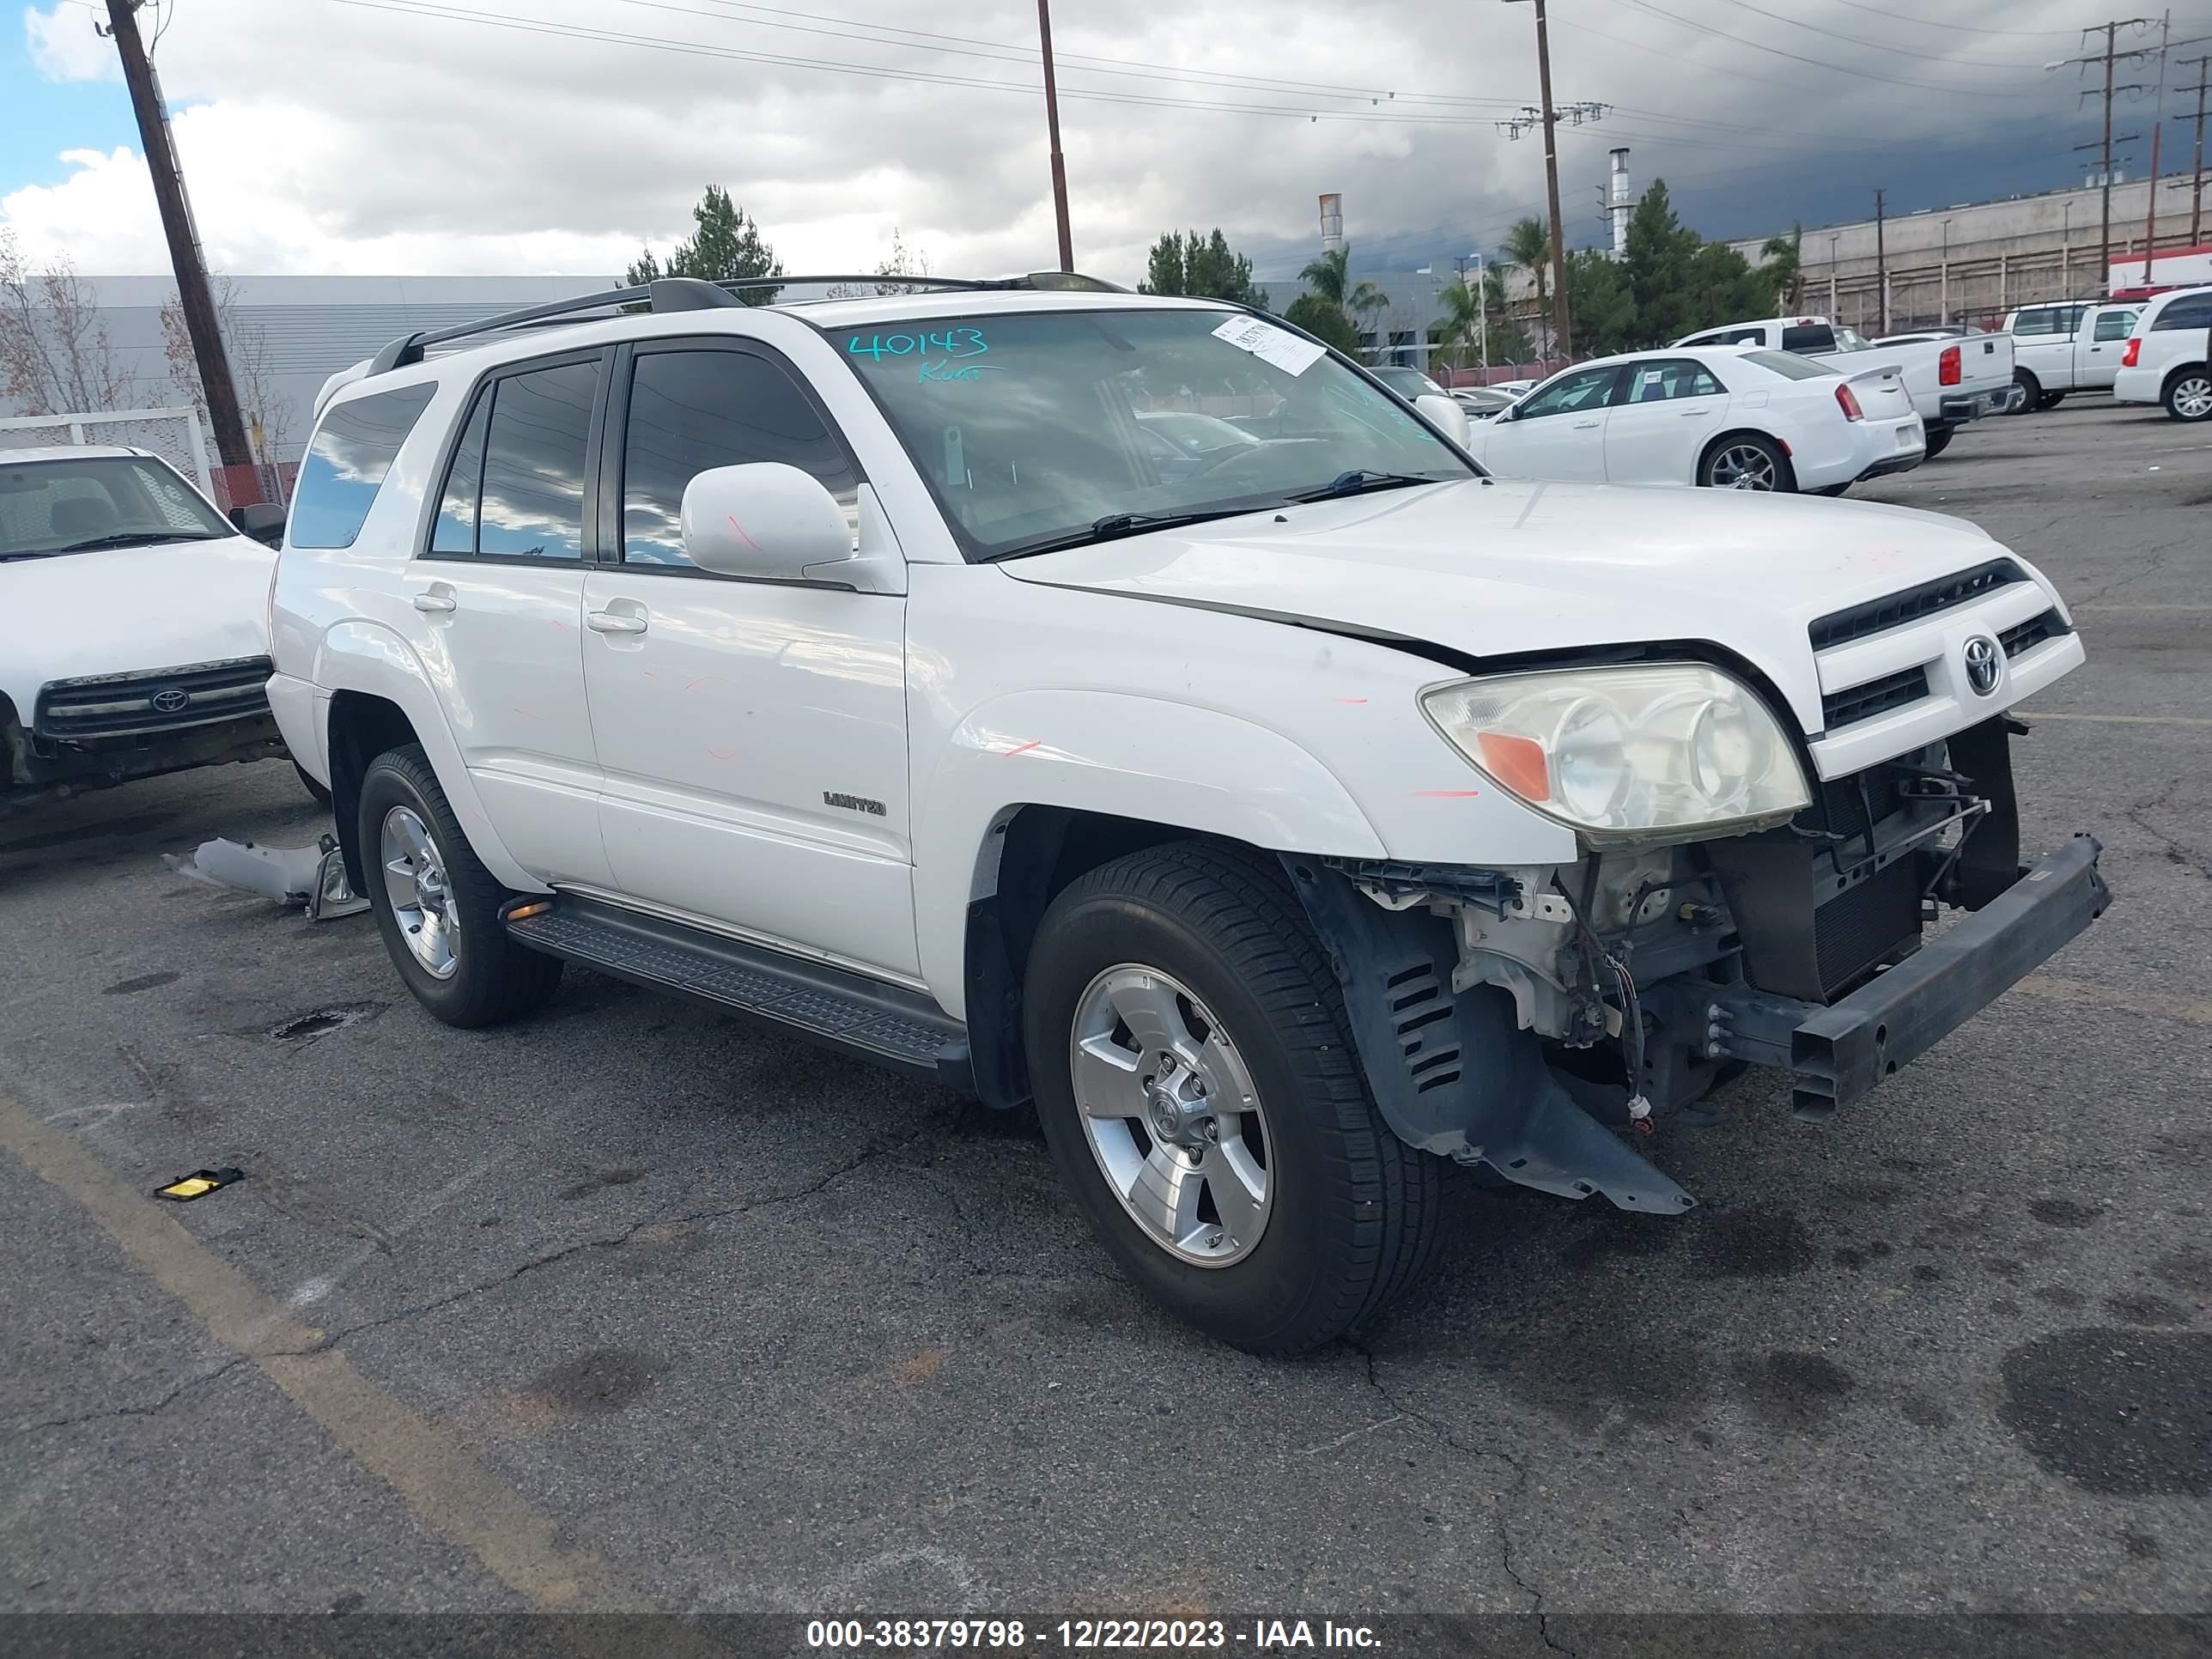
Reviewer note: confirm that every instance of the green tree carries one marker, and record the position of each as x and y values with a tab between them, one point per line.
1782	265
1324	321
1329	277
1202	267
1528	245
1600	303
1658	263
727	248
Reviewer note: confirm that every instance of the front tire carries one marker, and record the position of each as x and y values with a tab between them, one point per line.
2189	395
435	903
2031	392
1747	461
1201	1097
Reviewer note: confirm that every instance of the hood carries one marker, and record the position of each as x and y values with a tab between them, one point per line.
1516	566
130	609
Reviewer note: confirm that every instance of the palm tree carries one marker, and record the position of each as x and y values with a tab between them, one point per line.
1782	263
1330	276
1528	245
1462	323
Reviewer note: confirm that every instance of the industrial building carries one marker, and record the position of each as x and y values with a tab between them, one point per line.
1971	263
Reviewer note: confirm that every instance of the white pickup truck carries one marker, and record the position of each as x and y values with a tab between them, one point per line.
1279	820
2073	347
1951	381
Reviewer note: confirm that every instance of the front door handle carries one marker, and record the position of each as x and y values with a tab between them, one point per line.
434	603
614	622
1585	426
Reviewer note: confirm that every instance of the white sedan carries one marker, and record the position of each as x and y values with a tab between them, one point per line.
1729	417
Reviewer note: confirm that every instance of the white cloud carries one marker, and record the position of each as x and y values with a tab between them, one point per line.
325	136
62	45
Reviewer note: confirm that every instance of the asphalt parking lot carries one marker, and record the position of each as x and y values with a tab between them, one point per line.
633	1307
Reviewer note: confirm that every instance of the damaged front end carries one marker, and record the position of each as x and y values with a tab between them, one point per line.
1513	1018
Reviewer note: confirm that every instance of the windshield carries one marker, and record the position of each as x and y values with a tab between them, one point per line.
1038	430
79	506
1408	383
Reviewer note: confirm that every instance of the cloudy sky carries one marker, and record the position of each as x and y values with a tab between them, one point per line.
477	136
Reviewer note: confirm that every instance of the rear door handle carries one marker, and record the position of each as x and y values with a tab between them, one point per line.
434	603
1694	414
614	622
1585	426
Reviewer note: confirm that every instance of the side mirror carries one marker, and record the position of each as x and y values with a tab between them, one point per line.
764	519
262	520
1445	414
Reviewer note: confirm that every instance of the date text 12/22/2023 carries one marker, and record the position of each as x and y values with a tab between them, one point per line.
1256	1635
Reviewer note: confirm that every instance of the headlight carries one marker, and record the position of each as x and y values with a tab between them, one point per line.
1628	754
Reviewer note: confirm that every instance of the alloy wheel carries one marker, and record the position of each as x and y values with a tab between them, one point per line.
421	897
1743	466
1172	1115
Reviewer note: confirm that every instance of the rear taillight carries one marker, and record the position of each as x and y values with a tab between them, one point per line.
2127	358
1847	400
1954	365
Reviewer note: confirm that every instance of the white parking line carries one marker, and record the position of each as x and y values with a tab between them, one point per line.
2117	720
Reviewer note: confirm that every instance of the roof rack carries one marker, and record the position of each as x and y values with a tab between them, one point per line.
674	294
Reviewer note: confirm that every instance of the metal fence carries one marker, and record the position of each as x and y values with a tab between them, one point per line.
177	436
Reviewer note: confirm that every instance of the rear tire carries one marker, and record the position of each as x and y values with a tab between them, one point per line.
2189	395
435	903
1938	442
1745	460
1193	951
1830	490
2031	392
2050	400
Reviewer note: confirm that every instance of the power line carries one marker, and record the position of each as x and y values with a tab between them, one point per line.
697	48
1879	45
1961	28
1799	57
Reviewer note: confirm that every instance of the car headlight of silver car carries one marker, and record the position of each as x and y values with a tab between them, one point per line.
1673	751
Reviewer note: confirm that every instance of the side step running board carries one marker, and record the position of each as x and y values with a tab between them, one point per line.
887	1024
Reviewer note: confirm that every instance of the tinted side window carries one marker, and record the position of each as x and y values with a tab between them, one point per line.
1817	338
535	450
691	411
1574	393
2030	323
2114	325
456	529
352	451
1650	383
2193	312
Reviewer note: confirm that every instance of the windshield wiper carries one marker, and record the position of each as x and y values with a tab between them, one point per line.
1116	524
1360	480
135	538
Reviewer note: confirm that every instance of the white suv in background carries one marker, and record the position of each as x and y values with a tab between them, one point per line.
1280	818
2168	360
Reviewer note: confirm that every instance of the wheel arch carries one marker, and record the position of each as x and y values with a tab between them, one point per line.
1713	444
2166	386
380	696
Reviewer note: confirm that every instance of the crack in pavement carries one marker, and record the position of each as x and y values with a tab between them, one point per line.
1520	1486
167	1400
615	1241
2177	850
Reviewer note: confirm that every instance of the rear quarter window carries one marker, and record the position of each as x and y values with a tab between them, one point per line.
2193	311
353	449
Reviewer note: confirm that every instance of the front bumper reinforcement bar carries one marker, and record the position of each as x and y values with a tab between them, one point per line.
1839	1053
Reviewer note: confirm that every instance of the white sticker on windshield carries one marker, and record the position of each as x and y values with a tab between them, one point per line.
1270	344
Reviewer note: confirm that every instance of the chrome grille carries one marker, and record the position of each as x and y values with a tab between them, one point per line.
158	700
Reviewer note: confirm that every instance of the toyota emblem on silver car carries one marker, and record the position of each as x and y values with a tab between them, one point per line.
170	700
1985	664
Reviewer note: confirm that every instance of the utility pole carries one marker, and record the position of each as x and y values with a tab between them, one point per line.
2157	131
1880	265
2111	56
1562	324
2197	169
1052	126
193	295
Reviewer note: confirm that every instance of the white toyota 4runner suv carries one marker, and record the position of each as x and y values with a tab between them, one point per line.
1286	811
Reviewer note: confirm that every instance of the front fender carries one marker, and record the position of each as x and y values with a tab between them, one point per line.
1121	755
373	659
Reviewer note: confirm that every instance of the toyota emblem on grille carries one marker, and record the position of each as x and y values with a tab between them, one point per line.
170	700
1985	664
